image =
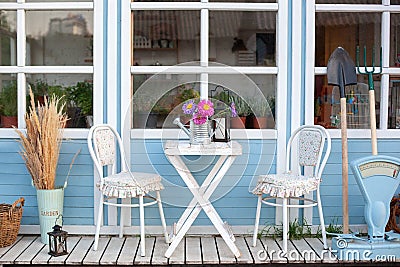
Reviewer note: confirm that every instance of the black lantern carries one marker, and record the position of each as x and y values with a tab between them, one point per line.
221	129
221	123
57	241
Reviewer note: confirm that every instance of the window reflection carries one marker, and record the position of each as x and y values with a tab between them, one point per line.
243	38
59	38
8	38
8	101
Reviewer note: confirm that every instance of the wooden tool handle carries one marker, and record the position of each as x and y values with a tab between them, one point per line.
372	116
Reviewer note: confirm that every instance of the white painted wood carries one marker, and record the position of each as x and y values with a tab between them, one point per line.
159	251
193	250
93	257
309	62
17	249
71	243
27	255
209	250
203	4
112	251
178	255
225	254
177	134
258	252
293	255
41	6
80	250
199	69
174	148
325	255
245	257
42	256
385	43
129	250
307	253
353	8
149	244
273	250
281	92
4	250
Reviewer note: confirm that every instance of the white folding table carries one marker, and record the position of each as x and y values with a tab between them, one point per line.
227	153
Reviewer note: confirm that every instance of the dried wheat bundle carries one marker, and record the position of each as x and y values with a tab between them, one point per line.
42	143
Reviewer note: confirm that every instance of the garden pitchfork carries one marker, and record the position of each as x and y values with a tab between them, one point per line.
371	71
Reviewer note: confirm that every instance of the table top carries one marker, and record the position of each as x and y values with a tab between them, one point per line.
173	148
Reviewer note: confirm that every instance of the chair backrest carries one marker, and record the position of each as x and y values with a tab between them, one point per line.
104	143
311	140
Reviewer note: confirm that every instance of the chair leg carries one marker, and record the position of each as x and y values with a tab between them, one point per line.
258	212
121	223
321	219
142	237
285	224
164	225
98	223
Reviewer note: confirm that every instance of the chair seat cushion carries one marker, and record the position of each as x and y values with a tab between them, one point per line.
121	185
285	185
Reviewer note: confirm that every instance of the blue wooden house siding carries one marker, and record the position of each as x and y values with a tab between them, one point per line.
237	204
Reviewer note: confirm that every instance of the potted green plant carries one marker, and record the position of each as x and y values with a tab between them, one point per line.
40	150
143	113
40	89
242	109
9	105
263	112
81	96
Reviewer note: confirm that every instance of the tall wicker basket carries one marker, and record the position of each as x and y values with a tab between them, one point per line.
10	221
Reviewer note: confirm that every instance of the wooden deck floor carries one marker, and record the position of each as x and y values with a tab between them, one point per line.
194	250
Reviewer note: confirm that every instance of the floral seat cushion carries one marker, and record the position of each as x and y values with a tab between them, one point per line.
285	185
121	185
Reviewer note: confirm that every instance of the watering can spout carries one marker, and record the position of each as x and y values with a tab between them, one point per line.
178	122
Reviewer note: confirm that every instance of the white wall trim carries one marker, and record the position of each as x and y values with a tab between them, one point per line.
201	69
204	5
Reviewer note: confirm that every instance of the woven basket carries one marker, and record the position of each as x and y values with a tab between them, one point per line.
10	220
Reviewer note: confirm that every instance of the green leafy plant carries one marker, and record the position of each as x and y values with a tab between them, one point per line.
334	227
296	230
187	94
260	107
241	105
82	96
40	88
8	99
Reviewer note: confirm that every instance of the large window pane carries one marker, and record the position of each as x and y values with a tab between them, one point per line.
394	103
394	40
76	91
8	101
347	30
166	37
243	38
327	103
59	38
8	38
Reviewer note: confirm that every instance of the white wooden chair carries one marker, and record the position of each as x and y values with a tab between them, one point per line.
293	183
104	143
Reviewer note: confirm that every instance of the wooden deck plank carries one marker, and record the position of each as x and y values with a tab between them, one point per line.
325	255
27	256
81	249
209	250
4	250
149	243
93	257
273	250
259	254
42	257
245	256
129	251
111	253
159	252
72	241
17	249
178	257
193	250
306	252
224	253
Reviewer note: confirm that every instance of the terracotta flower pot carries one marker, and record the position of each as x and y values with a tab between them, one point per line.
260	122
9	121
238	122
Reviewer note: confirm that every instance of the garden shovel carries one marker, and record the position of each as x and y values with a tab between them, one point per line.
342	72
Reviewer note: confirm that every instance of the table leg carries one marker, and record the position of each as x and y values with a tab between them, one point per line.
202	199
202	190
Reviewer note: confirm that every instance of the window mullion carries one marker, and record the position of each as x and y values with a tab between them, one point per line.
204	43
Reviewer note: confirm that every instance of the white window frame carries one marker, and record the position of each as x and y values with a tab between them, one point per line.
385	9
204	7
21	69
